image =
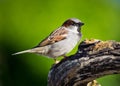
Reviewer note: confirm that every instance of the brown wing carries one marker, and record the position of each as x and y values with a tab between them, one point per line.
57	35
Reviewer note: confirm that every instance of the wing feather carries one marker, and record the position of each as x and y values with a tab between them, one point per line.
56	36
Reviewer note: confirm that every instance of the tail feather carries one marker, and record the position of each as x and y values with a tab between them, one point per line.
21	52
39	50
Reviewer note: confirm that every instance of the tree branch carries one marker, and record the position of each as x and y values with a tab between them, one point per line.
93	59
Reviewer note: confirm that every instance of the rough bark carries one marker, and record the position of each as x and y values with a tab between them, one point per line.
93	59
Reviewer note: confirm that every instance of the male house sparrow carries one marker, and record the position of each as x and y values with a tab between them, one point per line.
59	42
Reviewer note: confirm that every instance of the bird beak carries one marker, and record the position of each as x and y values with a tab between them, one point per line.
81	23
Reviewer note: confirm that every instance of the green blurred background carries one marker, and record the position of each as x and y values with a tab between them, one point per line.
24	23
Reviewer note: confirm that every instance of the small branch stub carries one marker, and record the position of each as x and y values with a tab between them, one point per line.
93	59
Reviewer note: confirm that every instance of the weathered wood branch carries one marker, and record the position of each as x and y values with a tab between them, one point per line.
93	59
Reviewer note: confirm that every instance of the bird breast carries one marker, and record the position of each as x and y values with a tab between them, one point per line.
65	46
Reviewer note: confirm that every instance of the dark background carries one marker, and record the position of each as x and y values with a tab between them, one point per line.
24	23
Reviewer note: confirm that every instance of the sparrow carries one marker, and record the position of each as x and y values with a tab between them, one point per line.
59	42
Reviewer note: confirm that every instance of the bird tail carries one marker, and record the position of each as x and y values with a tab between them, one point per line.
39	50
22	52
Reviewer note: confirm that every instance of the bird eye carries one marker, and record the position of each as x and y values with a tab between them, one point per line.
73	23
